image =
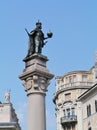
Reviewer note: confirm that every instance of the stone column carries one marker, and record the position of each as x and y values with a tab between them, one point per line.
36	78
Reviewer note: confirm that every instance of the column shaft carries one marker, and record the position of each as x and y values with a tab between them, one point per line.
36	112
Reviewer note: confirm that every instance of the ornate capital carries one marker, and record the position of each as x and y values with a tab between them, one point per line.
28	83
35	83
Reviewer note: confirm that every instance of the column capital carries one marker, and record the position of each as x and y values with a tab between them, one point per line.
35	84
36	77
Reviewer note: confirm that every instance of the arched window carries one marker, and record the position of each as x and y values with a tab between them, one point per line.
96	105
73	111
68	113
89	110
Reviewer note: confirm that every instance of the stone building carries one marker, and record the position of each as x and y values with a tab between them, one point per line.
88	104
70	105
8	117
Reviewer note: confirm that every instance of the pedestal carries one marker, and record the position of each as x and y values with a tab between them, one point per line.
36	78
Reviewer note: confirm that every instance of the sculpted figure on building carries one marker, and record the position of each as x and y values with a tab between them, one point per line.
7	96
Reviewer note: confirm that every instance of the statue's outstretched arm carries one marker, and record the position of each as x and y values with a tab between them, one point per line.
31	33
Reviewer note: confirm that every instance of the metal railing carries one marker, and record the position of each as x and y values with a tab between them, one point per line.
67	119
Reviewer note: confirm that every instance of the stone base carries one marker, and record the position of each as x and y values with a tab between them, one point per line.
35	65
35	58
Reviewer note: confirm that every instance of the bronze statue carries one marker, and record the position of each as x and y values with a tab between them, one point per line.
36	39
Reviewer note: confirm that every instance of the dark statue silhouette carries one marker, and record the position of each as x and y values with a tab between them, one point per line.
37	39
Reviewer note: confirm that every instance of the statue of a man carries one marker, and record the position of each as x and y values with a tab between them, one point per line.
36	39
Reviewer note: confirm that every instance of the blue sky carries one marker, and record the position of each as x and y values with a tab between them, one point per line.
74	27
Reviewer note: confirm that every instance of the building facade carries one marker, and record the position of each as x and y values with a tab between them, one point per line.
8	117
68	88
88	103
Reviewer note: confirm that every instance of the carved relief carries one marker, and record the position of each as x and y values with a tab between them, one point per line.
28	83
36	83
44	84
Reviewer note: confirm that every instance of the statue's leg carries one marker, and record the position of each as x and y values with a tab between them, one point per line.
40	48
37	47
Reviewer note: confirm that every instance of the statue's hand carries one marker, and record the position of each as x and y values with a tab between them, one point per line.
49	34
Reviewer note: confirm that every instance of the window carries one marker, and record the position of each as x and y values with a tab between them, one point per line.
90	128
84	78
66	80
73	111
70	79
88	110
74	78
68	96
68	112
96	105
64	112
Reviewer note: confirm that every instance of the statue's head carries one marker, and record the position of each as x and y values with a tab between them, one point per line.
39	25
